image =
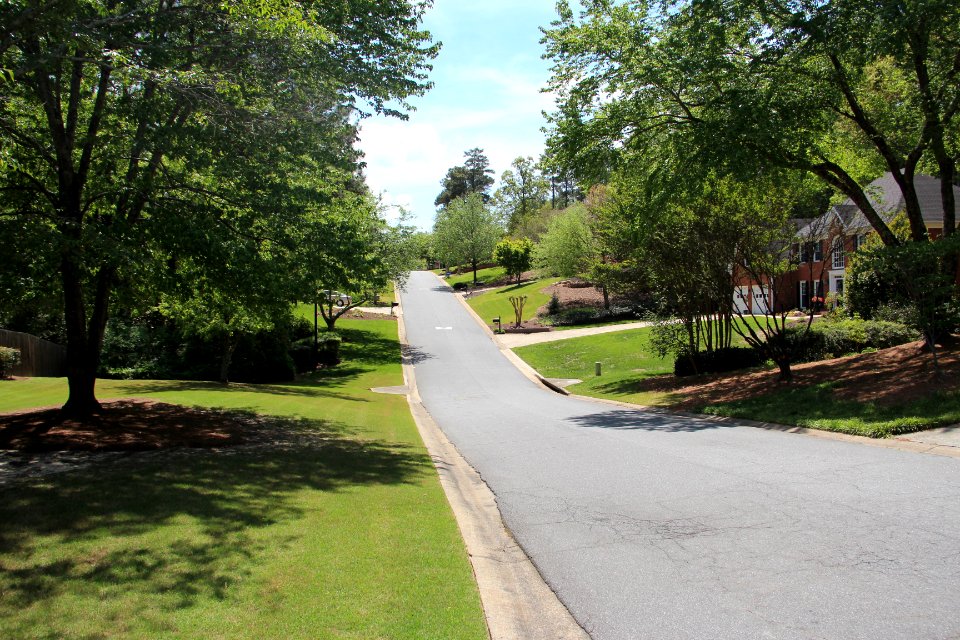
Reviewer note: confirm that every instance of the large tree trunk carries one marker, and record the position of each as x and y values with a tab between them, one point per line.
83	340
473	263
229	346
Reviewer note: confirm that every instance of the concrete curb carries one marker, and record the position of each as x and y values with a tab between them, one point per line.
517	602
507	352
883	443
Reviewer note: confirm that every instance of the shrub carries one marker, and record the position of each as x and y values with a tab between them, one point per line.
717	361
587	315
854	335
328	349
805	346
301	352
553	307
9	358
460	286
153	347
901	313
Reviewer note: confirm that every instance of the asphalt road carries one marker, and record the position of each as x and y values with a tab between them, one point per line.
656	526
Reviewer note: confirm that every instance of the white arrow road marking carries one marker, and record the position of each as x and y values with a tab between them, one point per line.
444	328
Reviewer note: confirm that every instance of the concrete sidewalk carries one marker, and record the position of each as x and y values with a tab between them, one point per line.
514	340
942	437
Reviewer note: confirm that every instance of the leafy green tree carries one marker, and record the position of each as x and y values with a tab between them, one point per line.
122	119
515	256
916	279
473	176
739	85
568	247
348	254
523	191
422	246
465	232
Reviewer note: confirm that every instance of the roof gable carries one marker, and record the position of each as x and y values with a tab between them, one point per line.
885	196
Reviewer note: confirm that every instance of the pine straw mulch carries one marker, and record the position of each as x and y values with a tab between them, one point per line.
126	425
887	377
575	296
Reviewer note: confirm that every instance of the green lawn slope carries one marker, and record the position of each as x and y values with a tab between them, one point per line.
345	534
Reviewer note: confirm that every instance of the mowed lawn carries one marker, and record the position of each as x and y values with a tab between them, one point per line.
483	276
495	303
345	534
625	357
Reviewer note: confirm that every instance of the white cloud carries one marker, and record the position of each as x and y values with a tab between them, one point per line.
487	94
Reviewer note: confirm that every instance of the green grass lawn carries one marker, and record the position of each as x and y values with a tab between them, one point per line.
497	302
483	276
817	407
626	356
346	535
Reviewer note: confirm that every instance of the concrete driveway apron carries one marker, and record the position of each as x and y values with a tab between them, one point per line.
657	526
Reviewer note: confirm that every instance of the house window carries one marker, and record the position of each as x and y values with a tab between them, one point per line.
810	252
859	241
817	248
839	255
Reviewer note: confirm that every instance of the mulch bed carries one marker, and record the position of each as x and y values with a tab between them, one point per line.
124	425
887	377
576	295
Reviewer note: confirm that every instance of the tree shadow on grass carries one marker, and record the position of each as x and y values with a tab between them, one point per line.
645	420
180	525
632	386
310	388
366	347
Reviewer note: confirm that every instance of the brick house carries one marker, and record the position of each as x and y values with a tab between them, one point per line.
823	244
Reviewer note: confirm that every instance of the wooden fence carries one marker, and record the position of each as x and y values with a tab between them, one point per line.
38	357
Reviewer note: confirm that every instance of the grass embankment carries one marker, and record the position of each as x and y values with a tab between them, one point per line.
497	302
841	395
347	535
626	356
484	276
818	407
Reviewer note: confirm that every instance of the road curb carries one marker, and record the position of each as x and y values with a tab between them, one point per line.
517	603
524	368
883	443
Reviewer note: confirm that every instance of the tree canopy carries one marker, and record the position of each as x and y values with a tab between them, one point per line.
842	89
473	176
523	190
568	246
465	232
126	123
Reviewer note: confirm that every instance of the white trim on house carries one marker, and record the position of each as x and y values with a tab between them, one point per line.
838	253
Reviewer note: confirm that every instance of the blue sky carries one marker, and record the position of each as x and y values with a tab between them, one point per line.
486	94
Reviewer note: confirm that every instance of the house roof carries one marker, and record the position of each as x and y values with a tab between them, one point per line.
885	196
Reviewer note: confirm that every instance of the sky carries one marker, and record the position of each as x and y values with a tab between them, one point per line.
486	94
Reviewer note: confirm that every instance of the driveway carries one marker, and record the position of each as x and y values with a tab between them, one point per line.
650	525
